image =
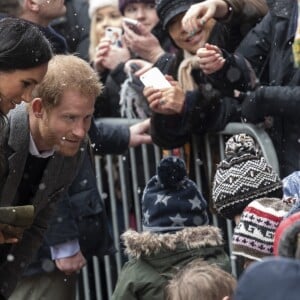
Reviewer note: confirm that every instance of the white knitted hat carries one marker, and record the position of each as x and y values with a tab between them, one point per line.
95	4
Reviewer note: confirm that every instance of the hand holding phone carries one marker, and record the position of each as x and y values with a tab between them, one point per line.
132	24
154	78
114	34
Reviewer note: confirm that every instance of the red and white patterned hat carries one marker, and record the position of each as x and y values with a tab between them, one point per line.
253	237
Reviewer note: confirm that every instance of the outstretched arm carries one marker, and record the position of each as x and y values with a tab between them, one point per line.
198	14
139	133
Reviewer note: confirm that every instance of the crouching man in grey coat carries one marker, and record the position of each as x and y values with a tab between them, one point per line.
44	145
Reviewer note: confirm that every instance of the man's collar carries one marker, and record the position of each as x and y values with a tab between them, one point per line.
33	150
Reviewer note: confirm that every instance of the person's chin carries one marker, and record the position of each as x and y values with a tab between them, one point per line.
68	151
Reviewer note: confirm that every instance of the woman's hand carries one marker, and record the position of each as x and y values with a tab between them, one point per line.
211	59
143	43
198	14
168	101
109	56
10	234
137	66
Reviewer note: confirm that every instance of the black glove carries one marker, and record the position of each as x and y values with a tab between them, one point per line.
252	108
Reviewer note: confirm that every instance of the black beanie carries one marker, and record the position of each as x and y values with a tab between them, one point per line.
168	9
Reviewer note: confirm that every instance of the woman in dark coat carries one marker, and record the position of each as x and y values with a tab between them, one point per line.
193	106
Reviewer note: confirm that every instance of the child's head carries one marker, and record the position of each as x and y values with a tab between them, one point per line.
243	176
287	237
291	185
200	280
171	201
253	237
273	278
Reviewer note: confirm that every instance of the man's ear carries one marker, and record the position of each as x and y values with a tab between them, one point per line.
33	5
37	107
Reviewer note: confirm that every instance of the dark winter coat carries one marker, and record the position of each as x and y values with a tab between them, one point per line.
154	258
268	48
75	27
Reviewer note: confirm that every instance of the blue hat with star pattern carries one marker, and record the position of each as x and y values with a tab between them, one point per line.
172	201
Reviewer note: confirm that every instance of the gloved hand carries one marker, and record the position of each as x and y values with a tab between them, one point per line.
251	108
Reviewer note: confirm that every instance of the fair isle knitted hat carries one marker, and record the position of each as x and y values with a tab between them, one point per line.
243	176
171	201
253	237
96	4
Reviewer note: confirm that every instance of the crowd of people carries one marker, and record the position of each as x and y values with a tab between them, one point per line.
61	68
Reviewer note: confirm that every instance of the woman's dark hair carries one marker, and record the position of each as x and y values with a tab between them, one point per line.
22	46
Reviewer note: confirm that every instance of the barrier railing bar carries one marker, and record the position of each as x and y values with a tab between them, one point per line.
114	213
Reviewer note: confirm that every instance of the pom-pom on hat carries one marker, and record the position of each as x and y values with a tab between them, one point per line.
96	4
124	3
243	176
171	201
253	237
168	9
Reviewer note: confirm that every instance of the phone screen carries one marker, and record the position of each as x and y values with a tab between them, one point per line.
155	78
114	34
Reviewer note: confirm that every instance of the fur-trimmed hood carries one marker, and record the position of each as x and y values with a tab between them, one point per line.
147	243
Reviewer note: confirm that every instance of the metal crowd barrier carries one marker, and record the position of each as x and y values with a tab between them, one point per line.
133	171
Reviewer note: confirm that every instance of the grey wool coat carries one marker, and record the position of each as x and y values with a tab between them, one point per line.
57	177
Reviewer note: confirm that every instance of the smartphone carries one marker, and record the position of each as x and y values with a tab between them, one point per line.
154	78
114	34
132	24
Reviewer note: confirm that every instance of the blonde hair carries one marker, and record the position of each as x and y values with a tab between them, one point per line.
67	72
93	37
199	280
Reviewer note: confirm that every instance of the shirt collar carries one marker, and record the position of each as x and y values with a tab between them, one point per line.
33	150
